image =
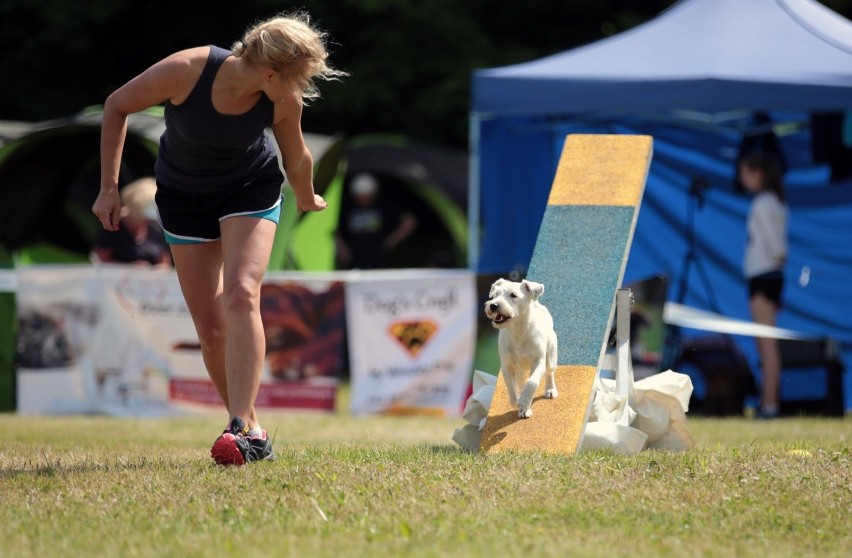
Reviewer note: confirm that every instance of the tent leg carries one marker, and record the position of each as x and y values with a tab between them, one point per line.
473	193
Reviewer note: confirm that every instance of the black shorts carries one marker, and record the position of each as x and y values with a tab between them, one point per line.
769	284
191	218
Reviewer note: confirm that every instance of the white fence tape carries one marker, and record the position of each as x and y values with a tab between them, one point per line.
686	316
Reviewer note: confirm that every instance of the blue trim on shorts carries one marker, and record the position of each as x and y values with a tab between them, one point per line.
172	239
272	214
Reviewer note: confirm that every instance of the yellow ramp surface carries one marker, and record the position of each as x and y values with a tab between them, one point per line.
580	255
553	427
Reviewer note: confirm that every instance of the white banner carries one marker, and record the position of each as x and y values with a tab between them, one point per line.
120	340
411	340
57	317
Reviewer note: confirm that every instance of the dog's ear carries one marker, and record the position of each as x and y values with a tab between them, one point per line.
534	289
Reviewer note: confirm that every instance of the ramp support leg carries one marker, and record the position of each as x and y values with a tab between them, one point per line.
624	363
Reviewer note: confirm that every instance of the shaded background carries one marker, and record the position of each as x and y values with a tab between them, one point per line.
410	61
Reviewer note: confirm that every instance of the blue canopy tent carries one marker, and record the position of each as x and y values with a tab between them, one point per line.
692	78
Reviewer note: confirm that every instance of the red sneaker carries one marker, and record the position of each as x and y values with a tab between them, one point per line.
230	447
237	447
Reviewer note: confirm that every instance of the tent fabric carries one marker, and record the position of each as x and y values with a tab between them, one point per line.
428	180
412	161
800	62
50	176
707	55
716	62
819	261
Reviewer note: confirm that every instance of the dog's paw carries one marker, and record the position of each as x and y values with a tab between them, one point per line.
551	393
525	413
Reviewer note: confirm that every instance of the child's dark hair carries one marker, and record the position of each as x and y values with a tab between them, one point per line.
772	167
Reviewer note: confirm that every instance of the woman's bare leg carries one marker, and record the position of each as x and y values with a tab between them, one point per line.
199	270
246	247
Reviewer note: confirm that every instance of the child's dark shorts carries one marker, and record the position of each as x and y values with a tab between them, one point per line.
770	285
193	218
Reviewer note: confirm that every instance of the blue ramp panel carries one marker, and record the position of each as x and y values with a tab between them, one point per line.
580	255
575	260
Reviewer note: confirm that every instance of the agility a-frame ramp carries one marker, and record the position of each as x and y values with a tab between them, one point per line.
580	256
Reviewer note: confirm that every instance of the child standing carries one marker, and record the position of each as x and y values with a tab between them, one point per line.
760	173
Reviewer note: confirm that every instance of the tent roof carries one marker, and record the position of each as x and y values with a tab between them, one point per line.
705	55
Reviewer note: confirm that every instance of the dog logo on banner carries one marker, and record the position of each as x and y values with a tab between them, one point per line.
413	336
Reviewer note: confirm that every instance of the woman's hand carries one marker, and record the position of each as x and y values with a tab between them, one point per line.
107	208
315	204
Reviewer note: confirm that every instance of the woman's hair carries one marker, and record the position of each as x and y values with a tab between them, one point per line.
291	46
772	167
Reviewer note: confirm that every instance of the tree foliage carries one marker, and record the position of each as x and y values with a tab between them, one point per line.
410	60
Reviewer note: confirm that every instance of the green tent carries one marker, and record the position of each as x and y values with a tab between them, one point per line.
427	180
50	176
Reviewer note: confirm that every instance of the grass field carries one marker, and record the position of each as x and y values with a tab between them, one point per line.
344	486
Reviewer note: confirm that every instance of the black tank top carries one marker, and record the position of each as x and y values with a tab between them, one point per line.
204	151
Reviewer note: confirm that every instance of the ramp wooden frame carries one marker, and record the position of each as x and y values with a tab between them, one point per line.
580	256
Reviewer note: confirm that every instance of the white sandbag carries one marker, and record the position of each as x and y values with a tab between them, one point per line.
614	437
477	405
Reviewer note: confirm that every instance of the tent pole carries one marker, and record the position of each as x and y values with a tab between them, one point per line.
474	121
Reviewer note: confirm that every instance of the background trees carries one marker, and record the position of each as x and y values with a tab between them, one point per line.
410	60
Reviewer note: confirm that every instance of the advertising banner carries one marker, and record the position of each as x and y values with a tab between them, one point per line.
411	340
120	340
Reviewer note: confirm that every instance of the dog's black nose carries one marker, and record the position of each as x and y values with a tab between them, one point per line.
494	306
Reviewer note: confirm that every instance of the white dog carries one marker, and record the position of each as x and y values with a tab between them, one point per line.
526	342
